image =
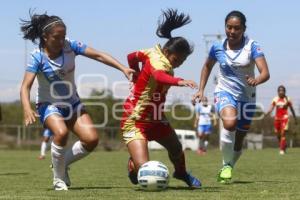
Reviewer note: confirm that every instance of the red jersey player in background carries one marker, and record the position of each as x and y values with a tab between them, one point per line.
281	118
143	116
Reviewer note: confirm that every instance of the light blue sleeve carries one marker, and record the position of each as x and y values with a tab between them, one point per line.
212	53
34	62
256	50
77	47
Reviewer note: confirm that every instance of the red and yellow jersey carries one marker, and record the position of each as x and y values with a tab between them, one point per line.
150	85
282	105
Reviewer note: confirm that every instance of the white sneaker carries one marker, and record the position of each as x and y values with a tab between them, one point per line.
281	152
67	177
59	185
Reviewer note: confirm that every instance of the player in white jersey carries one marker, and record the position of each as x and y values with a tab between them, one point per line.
203	124
58	103
235	93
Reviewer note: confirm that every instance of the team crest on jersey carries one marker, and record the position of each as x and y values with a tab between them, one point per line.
61	74
221	100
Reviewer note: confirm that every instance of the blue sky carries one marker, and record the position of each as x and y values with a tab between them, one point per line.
120	27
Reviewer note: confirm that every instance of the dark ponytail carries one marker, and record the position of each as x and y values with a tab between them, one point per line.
170	21
34	28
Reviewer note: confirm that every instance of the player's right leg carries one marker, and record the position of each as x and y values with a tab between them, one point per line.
138	150
227	108
59	129
137	146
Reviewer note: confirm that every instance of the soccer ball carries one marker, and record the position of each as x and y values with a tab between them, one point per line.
153	176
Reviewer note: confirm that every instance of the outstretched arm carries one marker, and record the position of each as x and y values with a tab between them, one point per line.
108	60
270	109
164	78
29	113
205	72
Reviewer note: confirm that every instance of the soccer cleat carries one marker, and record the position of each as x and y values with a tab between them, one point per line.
67	179
225	174
190	180
132	175
41	157
281	152
59	185
201	152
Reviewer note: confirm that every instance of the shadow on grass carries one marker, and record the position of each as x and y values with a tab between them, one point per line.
98	188
243	182
203	189
15	174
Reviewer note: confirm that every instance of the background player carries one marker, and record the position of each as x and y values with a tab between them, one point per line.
47	136
281	118
143	117
203	123
58	103
235	92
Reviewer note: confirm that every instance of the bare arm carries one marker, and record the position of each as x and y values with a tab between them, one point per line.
205	72
196	120
293	113
270	109
263	69
108	60
29	113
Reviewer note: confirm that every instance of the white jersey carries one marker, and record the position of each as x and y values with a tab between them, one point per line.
56	77
234	66
204	113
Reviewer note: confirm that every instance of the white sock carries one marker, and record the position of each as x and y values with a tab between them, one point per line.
76	152
44	146
205	144
227	144
236	156
58	161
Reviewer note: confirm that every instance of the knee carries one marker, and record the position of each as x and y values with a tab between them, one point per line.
61	136
230	125
91	143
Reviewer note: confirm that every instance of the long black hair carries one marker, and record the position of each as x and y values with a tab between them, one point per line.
34	28
171	20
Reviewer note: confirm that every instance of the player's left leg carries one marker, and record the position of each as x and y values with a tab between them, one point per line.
201	143
82	126
176	155
283	133
207	132
206	141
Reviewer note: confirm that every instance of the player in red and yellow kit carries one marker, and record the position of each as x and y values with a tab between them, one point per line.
281	118
143	117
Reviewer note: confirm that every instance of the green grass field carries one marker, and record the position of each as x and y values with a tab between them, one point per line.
103	175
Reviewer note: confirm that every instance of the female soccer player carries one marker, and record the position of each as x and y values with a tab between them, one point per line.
58	103
143	117
235	92
47	135
203	123
281	119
